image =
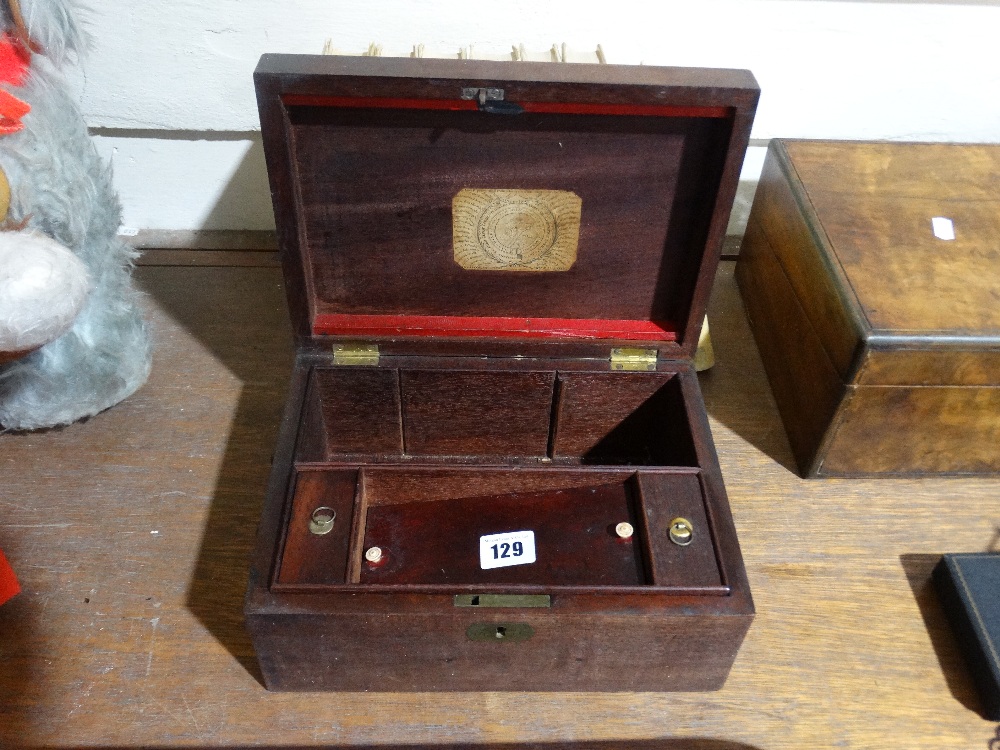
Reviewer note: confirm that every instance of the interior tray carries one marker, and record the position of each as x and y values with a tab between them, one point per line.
429	524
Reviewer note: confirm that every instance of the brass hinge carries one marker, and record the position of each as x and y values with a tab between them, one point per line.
633	359
355	354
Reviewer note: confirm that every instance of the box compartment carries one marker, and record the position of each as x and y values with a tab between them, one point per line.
427	521
523	416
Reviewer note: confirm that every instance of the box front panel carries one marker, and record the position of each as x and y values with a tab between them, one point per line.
965	364
916	430
400	652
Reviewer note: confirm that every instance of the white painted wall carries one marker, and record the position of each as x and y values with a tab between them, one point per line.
168	85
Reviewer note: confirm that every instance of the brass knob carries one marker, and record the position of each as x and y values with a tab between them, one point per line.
321	520
681	532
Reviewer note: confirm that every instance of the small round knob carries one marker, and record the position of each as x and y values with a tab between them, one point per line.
624	530
321	520
681	532
373	554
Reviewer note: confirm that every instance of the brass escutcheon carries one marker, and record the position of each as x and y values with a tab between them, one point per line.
486	601
500	632
681	532
321	520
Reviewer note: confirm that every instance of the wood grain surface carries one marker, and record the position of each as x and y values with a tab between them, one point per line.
131	534
880	338
876	201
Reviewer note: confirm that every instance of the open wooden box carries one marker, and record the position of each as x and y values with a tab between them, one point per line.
495	470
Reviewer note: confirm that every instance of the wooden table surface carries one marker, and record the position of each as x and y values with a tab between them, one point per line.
131	534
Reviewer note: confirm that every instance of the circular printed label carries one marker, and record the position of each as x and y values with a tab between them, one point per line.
515	230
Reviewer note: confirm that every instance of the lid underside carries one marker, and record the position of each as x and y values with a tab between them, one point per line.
564	221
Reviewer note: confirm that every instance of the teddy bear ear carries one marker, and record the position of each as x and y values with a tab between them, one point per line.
53	26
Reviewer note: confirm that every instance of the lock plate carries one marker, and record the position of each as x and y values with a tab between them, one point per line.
485	601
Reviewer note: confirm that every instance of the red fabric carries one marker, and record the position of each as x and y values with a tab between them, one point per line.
524	328
12	110
8	581
14	62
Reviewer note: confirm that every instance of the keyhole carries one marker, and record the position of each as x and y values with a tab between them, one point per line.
501	631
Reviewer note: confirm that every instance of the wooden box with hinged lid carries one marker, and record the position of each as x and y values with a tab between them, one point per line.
869	276
495	470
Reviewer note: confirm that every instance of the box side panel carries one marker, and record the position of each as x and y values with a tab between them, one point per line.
784	215
718	512
804	381
396	652
270	528
917	430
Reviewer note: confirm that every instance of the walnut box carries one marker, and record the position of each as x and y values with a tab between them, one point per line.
869	275
495	470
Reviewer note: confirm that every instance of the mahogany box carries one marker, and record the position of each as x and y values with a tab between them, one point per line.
869	272
495	470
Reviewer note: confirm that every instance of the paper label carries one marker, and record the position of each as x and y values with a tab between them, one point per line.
503	550
943	228
515	230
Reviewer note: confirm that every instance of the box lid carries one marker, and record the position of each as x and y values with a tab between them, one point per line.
450	206
908	240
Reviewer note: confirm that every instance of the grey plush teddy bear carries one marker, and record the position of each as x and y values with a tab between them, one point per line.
59	187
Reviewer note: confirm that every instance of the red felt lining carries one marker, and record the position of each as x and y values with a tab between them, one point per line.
525	328
8	581
562	108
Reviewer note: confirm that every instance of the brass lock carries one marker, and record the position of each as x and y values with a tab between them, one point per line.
681	532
